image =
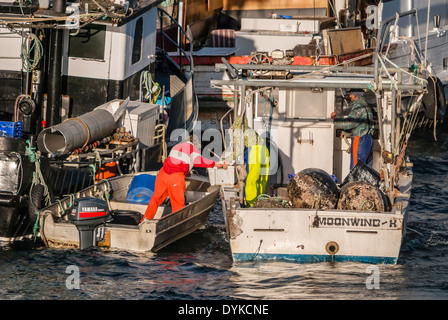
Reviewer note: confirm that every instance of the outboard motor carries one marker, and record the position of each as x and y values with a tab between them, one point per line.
89	215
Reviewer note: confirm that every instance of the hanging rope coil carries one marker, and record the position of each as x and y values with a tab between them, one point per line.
94	165
31	45
152	88
162	129
38	179
104	194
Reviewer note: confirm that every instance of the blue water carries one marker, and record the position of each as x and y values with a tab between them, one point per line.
199	267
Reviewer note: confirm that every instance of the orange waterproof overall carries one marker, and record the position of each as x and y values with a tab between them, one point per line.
172	185
171	178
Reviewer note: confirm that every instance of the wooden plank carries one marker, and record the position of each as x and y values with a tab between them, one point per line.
273	4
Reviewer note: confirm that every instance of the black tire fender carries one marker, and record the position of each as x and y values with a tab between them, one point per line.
434	101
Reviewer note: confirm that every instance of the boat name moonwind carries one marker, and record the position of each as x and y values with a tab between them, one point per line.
328	221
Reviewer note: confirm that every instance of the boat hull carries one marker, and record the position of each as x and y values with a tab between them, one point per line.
312	258
310	235
14	220
315	236
151	235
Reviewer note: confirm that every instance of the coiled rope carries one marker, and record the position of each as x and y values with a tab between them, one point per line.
31	45
152	88
38	178
162	129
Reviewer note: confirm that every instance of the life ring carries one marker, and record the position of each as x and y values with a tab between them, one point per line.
434	101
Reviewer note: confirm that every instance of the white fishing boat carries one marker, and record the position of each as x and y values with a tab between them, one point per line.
302	137
420	40
108	215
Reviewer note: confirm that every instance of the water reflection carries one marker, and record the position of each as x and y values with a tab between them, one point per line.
326	280
200	266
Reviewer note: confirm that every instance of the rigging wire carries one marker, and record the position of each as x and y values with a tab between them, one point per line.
426	40
335	14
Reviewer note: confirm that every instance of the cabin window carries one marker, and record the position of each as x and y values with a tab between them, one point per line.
138	37
306	104
89	43
264	104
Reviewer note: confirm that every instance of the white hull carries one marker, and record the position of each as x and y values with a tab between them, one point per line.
400	52
309	235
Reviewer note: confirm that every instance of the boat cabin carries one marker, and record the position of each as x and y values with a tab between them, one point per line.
75	60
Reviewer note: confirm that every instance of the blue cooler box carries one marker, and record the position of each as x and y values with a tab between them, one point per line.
141	189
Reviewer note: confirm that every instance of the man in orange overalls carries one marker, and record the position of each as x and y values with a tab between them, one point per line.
171	178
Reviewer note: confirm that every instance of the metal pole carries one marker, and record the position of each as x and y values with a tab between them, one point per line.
385	25
269	67
393	117
392	143
235	102
243	99
345	83
180	14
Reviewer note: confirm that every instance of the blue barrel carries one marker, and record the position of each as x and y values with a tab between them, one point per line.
141	189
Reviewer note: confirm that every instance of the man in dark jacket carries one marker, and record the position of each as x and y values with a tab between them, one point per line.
359	122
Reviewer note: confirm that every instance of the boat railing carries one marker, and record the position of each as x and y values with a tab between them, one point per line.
385	27
327	79
178	44
186	95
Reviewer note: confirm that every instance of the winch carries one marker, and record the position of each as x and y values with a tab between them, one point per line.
89	215
278	57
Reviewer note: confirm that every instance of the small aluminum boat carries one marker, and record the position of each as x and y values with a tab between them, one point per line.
116	224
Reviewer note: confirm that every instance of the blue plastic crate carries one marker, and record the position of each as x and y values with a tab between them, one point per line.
11	129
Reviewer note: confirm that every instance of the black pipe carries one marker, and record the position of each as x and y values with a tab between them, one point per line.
40	85
59	6
26	82
54	89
